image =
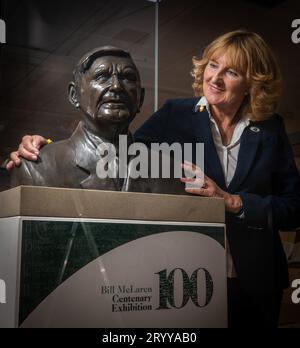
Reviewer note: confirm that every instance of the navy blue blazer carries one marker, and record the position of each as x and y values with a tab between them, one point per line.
266	179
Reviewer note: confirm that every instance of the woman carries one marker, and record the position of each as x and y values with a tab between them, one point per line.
248	162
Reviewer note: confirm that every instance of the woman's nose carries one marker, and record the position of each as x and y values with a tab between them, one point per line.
217	77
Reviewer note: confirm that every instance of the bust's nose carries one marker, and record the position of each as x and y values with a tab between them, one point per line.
115	83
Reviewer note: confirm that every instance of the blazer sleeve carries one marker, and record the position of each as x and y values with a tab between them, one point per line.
153	130
281	209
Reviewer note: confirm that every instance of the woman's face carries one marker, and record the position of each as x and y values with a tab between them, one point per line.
224	87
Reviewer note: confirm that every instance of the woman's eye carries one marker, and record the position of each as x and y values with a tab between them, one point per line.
213	65
232	73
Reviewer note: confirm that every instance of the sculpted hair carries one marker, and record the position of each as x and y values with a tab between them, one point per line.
88	59
247	53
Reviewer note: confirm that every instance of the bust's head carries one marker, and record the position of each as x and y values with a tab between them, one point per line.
107	86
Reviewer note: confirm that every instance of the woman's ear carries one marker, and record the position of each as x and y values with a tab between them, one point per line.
73	99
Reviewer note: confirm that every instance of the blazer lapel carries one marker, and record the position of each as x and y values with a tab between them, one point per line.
250	141
212	165
86	158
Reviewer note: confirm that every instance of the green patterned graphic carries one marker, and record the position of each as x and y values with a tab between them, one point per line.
54	250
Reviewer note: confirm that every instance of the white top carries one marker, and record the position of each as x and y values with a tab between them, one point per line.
228	155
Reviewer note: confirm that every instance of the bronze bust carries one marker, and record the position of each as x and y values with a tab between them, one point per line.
106	87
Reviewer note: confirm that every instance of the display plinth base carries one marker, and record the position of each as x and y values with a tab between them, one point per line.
87	258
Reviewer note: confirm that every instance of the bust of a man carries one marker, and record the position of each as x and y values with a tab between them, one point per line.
106	87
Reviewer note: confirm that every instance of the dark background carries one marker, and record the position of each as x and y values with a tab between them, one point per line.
45	39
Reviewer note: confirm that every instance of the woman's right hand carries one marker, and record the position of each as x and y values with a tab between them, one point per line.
29	149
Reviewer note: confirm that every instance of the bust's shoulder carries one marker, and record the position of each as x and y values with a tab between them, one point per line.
62	147
52	157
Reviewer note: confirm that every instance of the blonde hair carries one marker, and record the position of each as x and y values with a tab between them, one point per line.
247	53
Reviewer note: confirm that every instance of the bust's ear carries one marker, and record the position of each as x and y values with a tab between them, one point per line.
141	99
73	99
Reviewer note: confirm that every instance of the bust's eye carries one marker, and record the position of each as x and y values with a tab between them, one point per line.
128	75
102	76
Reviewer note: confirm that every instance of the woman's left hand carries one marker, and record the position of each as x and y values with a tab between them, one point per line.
202	185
